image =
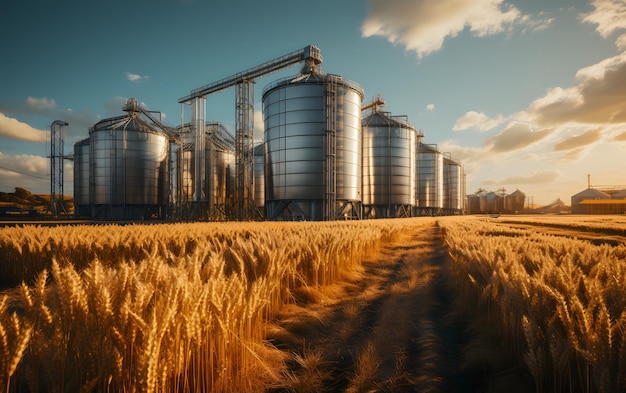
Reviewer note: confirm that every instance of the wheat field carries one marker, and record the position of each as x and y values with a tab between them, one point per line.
551	300
170	307
183	307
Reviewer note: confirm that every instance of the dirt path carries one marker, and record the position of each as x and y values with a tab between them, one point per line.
383	330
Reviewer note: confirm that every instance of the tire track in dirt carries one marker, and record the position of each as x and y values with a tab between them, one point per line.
385	330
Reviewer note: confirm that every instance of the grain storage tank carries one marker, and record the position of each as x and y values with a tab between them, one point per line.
489	202
81	178
209	199
452	186
389	179
514	202
313	142
430	180
473	204
129	177
259	179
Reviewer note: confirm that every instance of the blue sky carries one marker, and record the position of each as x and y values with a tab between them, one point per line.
527	94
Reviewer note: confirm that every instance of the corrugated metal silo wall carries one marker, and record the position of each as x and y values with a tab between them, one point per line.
295	132
81	178
430	178
129	170
389	184
452	186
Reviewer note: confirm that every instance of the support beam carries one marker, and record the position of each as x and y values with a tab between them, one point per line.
57	139
244	149
244	138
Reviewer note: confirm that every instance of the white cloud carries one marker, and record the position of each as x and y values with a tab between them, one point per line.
582	127
15	129
470	156
135	77
23	170
620	42
609	16
578	141
79	120
40	104
478	120
516	136
598	98
535	23
468	120
423	25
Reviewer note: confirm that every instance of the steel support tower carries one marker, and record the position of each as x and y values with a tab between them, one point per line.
244	138
57	138
244	149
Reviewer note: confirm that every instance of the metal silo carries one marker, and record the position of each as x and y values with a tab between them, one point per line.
489	203
205	197
129	162
81	178
389	180
452	186
313	142
259	179
430	180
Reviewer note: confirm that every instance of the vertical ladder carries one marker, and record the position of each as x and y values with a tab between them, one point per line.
330	163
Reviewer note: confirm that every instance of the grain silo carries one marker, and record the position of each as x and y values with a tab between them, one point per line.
204	195
81	178
453	186
129	167
473	204
489	202
514	202
389	169
313	142
430	180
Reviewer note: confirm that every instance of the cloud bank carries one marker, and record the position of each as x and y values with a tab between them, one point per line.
423	25
79	121
582	125
609	16
14	129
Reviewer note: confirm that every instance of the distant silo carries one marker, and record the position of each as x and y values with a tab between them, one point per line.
313	142
453	194
210	199
389	178
515	201
430	179
489	203
81	178
473	204
129	168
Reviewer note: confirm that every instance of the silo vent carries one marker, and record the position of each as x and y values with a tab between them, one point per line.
132	106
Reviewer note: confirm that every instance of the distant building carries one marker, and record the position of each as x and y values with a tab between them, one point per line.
496	202
609	200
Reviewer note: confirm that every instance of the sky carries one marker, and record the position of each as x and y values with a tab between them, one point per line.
527	94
